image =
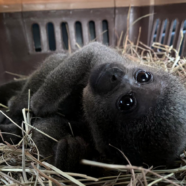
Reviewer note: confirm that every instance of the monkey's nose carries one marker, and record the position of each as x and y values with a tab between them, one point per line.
107	80
114	74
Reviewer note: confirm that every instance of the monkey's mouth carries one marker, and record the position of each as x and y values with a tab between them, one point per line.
127	102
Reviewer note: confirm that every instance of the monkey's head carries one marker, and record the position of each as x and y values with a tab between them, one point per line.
137	109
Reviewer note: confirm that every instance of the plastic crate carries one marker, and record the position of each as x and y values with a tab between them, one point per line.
32	30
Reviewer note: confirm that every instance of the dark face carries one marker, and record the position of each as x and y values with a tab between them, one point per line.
130	107
128	92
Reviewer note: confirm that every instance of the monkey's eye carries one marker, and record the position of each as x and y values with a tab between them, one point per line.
142	76
126	103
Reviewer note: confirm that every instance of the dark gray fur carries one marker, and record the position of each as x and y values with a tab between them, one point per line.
153	133
7	92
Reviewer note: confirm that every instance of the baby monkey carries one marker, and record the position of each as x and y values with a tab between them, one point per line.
110	101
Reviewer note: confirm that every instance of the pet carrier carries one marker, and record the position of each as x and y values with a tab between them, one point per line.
30	30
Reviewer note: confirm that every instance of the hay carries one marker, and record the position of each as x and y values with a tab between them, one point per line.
159	56
21	164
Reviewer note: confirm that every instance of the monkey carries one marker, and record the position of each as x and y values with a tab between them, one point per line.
128	107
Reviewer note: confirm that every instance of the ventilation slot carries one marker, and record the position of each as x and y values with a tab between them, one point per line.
51	37
79	34
36	37
105	32
92	32
173	31
157	24
183	47
164	31
65	39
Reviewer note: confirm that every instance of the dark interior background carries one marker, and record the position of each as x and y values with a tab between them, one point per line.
26	38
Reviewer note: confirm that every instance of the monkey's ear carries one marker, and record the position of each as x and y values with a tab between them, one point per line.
60	82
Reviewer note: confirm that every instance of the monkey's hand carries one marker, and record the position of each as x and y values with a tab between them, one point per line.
75	69
69	152
17	103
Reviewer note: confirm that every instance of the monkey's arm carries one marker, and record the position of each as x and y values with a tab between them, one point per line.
76	68
34	81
